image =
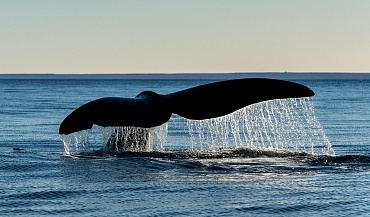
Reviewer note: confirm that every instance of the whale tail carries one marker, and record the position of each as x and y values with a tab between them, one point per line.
150	109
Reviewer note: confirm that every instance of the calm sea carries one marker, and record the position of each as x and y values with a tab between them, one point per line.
38	178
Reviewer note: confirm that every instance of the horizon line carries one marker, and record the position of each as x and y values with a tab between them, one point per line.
166	73
191	76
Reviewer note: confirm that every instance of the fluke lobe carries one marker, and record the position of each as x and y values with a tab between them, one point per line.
149	109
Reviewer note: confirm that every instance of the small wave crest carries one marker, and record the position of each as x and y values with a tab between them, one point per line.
233	162
244	152
327	160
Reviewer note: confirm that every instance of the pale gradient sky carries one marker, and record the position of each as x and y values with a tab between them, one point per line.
96	36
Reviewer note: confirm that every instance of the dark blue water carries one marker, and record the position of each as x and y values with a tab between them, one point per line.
38	178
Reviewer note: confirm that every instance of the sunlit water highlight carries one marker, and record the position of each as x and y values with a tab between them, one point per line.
275	125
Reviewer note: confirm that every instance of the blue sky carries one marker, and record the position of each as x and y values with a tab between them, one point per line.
91	36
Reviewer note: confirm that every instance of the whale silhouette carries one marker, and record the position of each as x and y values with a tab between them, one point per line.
149	109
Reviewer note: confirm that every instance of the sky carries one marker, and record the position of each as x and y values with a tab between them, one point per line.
187	36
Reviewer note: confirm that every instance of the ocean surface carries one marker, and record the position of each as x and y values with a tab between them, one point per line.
277	174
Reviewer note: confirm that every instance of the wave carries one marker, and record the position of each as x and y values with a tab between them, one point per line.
238	153
244	152
325	160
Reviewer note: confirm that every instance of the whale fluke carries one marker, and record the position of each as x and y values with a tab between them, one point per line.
149	109
222	98
145	110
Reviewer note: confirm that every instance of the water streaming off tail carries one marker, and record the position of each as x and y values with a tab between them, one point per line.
283	124
288	124
116	139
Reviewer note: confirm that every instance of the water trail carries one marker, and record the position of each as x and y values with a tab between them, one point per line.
116	139
283	124
288	124
76	142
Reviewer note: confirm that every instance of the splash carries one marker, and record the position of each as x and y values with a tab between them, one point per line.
282	124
